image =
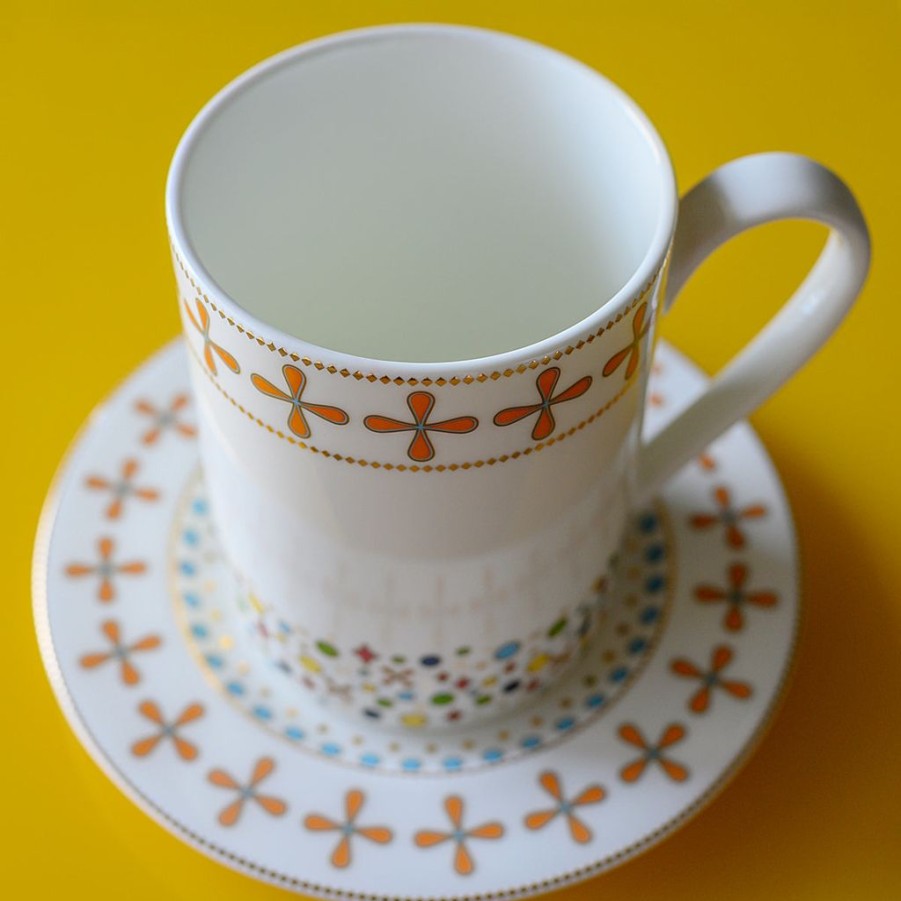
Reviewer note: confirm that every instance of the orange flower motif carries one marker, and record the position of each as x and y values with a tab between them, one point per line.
229	815
710	679
671	735
735	597
121	652
728	517
550	782
421	404
296	382
152	712
105	569
631	351
546	383
165	419
463	862
706	462
353	804
122	488
210	347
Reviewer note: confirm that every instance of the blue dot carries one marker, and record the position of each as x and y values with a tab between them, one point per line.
283	627
187	567
405	696
452	763
199	630
192	600
565	723
430	660
655	553
649	615
262	713
234	688
199	506
281	665
295	733
647	523
191	537
410	764
595	701
637	645
654	584
372	714
330	749
619	674
492	754
531	741
507	650
214	660
370	759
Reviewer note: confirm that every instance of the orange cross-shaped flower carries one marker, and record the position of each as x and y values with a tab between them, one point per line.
546	383
121	652
202	324
151	710
297	382
353	804
122	488
463	862
105	569
550	782
727	516
653	753
632	351
229	815
166	418
735	596
421	404
710	679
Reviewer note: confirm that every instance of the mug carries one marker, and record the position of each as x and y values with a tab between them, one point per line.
420	269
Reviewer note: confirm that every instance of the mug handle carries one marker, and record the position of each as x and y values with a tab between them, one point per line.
746	192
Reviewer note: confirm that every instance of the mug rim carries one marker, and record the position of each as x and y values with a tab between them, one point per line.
636	285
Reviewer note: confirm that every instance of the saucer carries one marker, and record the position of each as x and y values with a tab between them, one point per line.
140	627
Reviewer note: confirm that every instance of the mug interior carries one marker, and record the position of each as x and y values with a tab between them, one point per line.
420	193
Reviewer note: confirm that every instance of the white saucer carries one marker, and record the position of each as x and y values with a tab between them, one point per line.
138	622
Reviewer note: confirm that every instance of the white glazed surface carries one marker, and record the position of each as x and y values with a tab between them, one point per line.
348	527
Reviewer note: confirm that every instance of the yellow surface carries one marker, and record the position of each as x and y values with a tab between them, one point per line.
93	99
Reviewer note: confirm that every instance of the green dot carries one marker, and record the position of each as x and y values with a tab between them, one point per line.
385	702
557	628
398	658
462	652
483	699
327	649
443	698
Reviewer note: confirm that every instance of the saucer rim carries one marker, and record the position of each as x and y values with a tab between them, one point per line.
69	708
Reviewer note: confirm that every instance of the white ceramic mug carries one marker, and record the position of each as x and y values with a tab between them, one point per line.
420	269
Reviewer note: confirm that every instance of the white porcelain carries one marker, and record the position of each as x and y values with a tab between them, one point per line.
138	629
371	183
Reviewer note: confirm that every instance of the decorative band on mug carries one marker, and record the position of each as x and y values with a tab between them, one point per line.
415	467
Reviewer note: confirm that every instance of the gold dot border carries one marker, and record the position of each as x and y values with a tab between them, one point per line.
413	467
397	380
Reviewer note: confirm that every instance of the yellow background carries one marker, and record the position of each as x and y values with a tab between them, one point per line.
94	97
